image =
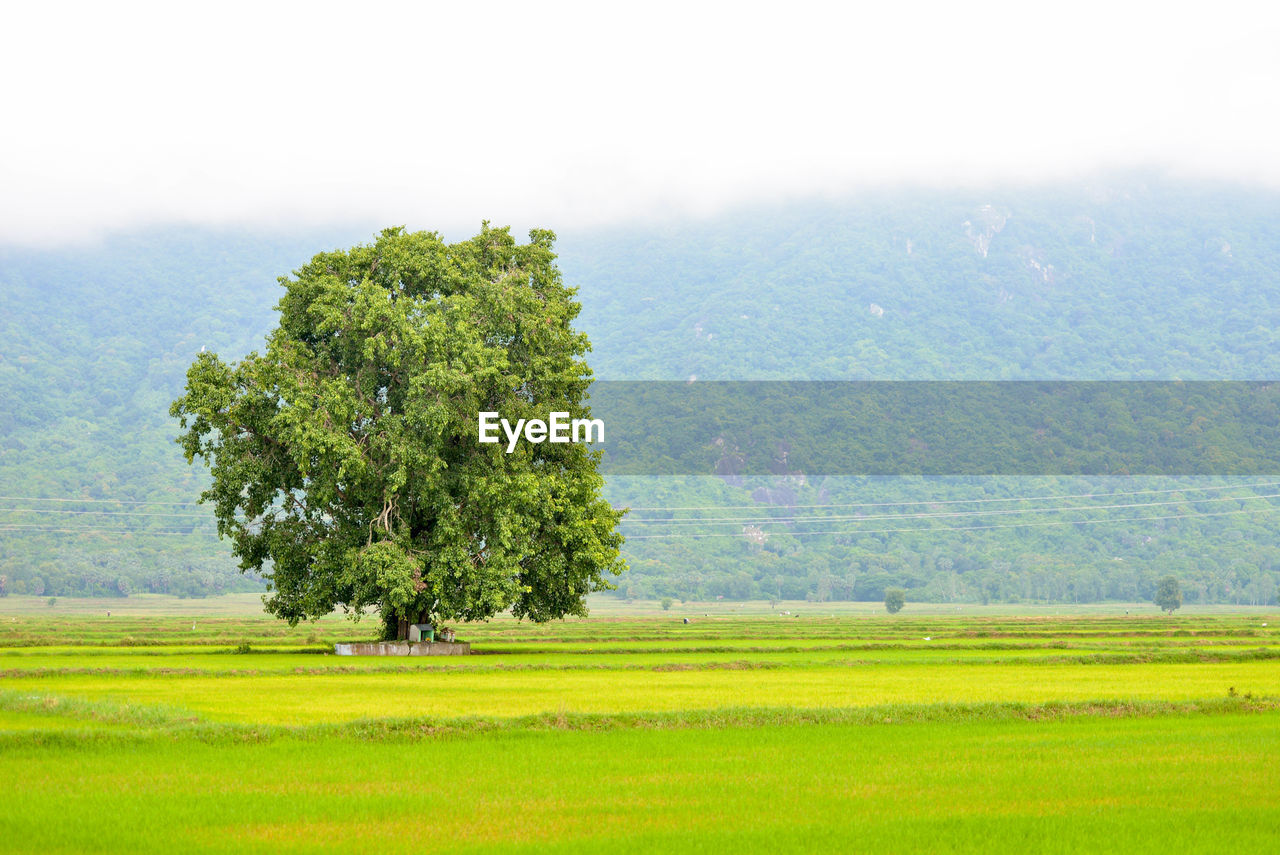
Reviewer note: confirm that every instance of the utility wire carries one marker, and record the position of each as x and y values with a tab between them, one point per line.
695	536
101	513
22	529
88	501
713	521
932	529
757	507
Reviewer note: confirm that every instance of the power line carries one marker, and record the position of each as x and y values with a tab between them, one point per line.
948	514
103	513
932	529
757	507
24	529
88	501
915	530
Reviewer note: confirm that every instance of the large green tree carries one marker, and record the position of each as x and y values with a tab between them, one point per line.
345	460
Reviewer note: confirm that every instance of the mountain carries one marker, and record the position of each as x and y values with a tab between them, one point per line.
1132	280
1128	277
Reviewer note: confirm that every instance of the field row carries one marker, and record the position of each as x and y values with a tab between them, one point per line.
320	697
1172	783
853	733
28	630
170	663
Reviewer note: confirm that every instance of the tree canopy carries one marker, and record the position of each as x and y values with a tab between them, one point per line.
345	460
1168	594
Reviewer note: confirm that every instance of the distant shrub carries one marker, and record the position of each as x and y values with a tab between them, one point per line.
1168	594
242	647
666	602
894	599
51	602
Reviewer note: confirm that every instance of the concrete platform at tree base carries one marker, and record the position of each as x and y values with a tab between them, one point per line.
404	648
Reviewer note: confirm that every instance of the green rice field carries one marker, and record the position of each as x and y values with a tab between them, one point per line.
202	727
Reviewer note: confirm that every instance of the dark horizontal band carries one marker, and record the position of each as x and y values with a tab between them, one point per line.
939	427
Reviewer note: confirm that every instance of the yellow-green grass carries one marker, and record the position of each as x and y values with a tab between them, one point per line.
19	721
854	733
1173	783
309	698
165	645
141	631
145	631
164	661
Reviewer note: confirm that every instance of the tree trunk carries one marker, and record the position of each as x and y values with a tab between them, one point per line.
390	626
396	627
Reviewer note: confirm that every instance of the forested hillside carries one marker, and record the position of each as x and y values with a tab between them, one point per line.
94	343
1122	279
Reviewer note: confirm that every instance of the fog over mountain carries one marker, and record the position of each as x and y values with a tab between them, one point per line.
1126	276
582	115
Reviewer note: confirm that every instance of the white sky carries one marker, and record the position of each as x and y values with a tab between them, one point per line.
117	115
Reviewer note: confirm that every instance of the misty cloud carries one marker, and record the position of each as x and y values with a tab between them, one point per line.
575	115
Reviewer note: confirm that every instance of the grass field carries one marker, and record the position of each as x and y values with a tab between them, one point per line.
830	730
